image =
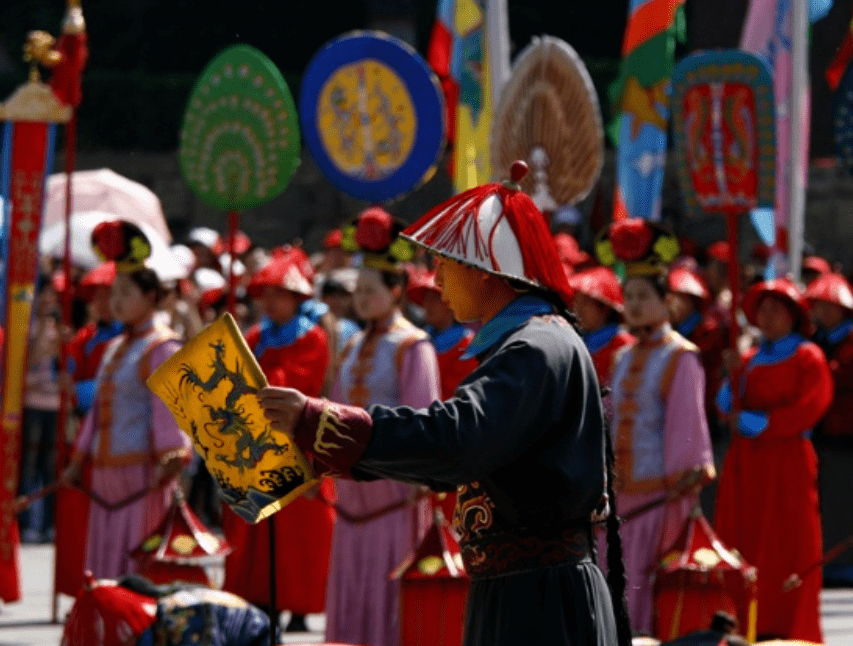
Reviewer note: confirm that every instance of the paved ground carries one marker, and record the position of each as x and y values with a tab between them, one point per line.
28	622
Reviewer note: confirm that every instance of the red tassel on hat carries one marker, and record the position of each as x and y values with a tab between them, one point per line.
471	228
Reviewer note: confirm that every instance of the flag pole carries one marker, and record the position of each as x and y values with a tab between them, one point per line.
797	174
66	84
497	35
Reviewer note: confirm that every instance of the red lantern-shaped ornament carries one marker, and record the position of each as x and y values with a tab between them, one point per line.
179	548
434	589
699	576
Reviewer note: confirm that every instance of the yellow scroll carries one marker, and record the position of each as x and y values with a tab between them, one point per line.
211	386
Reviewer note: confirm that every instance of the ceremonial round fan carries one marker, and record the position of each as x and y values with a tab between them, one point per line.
372	115
549	116
240	137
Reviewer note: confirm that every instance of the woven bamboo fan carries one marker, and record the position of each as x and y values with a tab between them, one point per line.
549	115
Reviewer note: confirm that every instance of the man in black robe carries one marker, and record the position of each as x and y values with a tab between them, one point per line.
522	439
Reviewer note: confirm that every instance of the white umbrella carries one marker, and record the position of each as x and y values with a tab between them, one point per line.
105	190
52	243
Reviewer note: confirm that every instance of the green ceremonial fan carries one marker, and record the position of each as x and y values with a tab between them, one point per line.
239	149
240	137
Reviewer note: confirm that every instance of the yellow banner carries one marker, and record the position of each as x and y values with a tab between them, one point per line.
211	386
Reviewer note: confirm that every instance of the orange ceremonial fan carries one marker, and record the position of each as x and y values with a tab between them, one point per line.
548	115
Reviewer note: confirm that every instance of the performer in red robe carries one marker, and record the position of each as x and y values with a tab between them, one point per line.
767	503
598	304
293	351
831	298
85	352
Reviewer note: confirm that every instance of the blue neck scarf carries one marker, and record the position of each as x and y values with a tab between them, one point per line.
835	335
776	351
508	319
446	339
274	335
688	326
597	340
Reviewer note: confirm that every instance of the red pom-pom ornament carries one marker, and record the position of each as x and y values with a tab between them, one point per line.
109	240
375	230
518	170
631	239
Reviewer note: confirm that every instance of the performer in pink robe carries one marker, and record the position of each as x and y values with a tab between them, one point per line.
662	444
393	363
130	435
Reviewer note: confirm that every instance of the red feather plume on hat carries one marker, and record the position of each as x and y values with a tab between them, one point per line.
497	229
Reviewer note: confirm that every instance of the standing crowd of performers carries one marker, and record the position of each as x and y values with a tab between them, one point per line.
365	331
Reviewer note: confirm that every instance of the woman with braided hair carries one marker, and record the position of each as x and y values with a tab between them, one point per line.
522	440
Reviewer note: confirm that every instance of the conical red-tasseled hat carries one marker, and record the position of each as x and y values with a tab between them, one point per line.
105	614
497	229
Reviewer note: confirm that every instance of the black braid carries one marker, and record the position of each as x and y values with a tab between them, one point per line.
616	579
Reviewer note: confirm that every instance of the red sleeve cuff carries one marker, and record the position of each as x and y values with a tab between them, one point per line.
334	434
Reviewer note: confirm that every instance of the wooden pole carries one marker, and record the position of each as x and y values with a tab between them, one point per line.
62	427
233	226
734	286
273	611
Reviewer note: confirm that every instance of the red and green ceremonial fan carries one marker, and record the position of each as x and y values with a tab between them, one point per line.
240	137
725	138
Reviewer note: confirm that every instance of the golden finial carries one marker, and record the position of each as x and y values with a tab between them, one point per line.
39	50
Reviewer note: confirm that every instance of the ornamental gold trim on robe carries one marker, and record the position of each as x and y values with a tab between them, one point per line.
211	387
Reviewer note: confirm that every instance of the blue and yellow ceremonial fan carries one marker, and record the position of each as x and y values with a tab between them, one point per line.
372	115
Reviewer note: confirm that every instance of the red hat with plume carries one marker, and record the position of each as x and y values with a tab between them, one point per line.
498	229
601	284
644	248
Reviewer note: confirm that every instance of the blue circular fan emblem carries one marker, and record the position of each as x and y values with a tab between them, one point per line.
372	115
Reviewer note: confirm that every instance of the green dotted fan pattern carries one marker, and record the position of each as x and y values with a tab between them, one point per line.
240	137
